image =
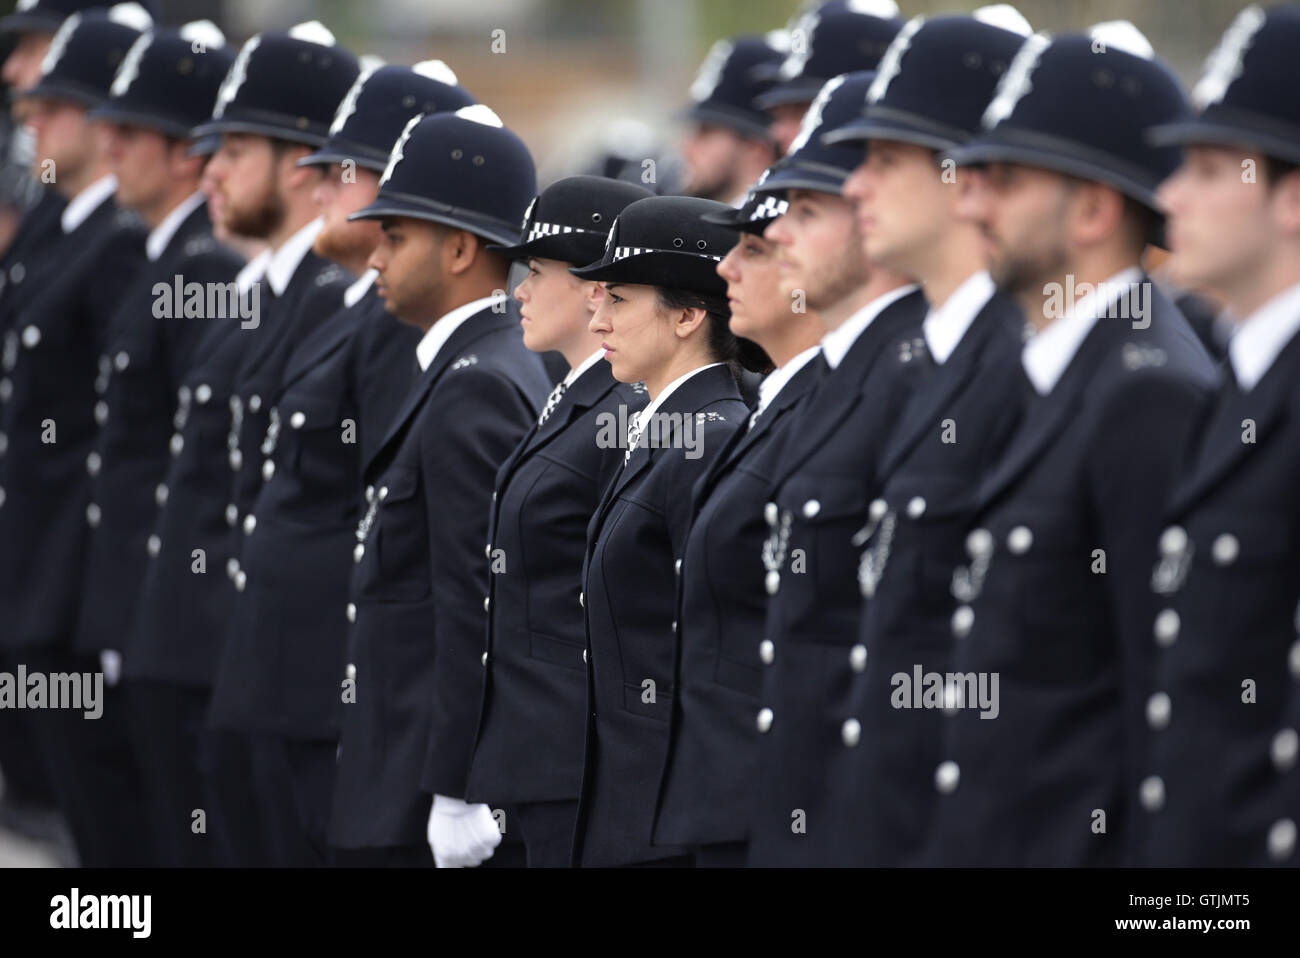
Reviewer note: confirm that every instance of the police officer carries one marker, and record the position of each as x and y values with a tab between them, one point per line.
707	777
819	493
826	40
161	89
728	145
528	750
1221	746
934	83
58	328
454	182
1052	635
663	321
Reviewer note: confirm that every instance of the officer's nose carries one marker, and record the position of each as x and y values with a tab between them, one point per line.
972	196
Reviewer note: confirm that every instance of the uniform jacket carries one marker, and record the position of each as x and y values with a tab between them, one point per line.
1065	627
956	425
144	359
828	475
721	602
629	579
39	230
1226	586
531	726
419	583
49	362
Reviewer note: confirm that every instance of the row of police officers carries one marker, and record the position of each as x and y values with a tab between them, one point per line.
890	513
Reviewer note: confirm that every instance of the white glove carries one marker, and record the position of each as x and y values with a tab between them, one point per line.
461	835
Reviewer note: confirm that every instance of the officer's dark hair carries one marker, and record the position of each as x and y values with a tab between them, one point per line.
1275	169
1144	223
736	351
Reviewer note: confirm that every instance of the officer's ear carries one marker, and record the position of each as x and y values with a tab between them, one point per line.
1096	212
181	165
461	249
293	175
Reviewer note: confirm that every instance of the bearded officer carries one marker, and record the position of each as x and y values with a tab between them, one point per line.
454	183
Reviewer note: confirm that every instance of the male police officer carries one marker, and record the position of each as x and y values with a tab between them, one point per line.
728	146
933	85
49	411
453	183
1225	630
165	84
825	480
285	643
1053	640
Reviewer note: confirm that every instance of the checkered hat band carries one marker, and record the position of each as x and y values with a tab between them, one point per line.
623	252
769	209
553	229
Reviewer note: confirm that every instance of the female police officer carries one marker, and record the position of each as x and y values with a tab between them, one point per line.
663	322
528	751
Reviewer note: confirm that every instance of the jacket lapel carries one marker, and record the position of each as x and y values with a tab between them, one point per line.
324	342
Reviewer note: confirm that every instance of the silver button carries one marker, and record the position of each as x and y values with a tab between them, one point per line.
1293	660
352	611
370	493
582	599
236	459
962	620
487	601
232	515
979	544
203	393
250	523
916	507
674	626
946	777
851	732
876	511
483	660
17	272
1152	793
1158	708
298	420
858	657
153	546
811	508
1173	541
487	550
241	580
584	656
351	672
101	412
1281	839
771	514
1167	626
32	337
2	497
160	494
764	719
383	493
494	496
268	469
94	514
254	402
232	567
767	651
1283	749
177	443
121	360
4	444
358	551
1225	549
1020	539
7	389
772	582
677	566
93	462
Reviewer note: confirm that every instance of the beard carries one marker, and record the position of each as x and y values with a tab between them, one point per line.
1021	273
259	219
347	242
717	187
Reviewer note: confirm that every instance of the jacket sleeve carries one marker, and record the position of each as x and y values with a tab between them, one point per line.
485	417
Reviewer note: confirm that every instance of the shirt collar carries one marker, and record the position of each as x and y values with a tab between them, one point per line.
352	295
427	349
1050	351
576	372
837	343
162	234
669	390
777	379
286	259
253	271
1262	336
945	325
87	201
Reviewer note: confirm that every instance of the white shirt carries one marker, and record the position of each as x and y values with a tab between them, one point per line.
945	325
426	350
253	271
162	234
837	343
776	380
582	367
658	401
1262	336
352	295
1048	354
87	201
291	253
